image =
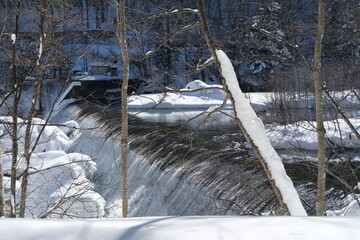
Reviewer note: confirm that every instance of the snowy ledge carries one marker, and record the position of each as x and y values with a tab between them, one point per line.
184	228
196	94
206	95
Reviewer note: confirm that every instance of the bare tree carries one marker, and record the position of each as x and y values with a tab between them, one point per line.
42	8
124	114
2	188
320	198
17	87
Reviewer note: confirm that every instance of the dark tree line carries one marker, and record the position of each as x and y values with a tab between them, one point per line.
164	46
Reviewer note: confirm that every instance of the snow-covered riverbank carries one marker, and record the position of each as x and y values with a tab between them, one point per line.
192	97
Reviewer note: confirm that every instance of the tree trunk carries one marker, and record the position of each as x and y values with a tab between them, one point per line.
320	198
124	115
14	113
32	112
298	210
2	187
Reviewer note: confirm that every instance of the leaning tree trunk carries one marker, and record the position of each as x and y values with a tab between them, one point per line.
320	198
273	167
124	114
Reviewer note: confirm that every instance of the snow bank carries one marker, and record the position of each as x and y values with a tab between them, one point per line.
59	185
181	100
260	101
256	131
206	93
184	228
303	135
52	138
352	208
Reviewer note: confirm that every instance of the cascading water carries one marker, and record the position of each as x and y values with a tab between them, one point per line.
171	172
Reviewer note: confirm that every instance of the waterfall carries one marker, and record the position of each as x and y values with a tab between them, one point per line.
170	172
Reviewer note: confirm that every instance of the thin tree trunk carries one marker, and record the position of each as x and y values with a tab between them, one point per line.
124	115
2	188
32	112
286	210
320	198
15	114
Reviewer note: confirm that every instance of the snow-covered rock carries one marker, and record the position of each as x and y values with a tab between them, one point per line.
59	185
210	93
51	137
59	182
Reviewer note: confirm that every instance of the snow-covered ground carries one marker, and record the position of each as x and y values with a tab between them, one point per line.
185	228
302	135
209	97
187	98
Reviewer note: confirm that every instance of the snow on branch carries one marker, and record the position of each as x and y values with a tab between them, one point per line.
175	11
13	38
208	62
164	14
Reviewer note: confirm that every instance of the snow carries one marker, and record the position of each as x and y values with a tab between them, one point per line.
52	137
40	51
352	208
256	130
206	62
184	228
190	9
260	101
59	185
184	99
303	135
13	38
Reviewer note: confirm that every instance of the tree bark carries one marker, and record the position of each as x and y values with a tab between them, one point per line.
32	112
2	187
124	114
320	198
15	114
